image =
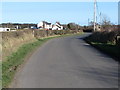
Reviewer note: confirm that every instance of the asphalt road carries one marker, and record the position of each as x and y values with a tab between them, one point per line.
68	62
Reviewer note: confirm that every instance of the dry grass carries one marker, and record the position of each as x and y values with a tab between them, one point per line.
11	41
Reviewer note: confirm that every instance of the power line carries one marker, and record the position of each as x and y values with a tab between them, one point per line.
97	8
94	15
98	12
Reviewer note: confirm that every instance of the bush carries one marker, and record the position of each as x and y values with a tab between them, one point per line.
104	37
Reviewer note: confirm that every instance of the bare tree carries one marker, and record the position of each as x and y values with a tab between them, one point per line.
106	23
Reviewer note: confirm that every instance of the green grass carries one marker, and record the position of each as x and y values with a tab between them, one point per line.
107	48
9	66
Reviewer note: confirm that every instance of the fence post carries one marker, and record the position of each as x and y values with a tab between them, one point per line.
47	32
33	32
118	40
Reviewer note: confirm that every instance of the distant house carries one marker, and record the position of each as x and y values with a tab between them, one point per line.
49	26
44	25
57	26
4	29
33	27
98	27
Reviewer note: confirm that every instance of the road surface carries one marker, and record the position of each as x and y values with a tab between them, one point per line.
68	62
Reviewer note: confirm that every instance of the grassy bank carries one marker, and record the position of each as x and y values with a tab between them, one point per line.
10	66
11	41
108	48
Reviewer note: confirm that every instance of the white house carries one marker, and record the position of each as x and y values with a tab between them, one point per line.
44	25
49	26
40	24
4	29
57	26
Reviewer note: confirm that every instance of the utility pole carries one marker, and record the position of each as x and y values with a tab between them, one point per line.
100	19
94	15
88	21
28	25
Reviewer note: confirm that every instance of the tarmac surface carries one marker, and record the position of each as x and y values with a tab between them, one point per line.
68	62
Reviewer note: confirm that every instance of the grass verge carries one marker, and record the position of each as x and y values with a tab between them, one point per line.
107	48
9	66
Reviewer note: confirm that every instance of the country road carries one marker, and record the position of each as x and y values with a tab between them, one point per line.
68	62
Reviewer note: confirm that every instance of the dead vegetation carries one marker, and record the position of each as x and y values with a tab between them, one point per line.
11	41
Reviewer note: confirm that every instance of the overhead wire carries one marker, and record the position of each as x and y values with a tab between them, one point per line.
98	12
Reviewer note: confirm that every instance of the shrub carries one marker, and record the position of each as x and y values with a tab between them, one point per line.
104	37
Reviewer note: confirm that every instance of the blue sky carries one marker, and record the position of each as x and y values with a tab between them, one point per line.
64	12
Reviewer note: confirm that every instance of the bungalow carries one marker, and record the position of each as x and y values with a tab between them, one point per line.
4	29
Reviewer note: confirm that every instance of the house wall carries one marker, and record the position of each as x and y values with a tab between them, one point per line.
48	26
40	24
4	29
55	27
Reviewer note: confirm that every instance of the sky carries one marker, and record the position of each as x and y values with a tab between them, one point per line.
64	12
119	13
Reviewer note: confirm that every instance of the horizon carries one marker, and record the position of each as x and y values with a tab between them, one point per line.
64	12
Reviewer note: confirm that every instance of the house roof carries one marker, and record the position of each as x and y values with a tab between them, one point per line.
47	23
